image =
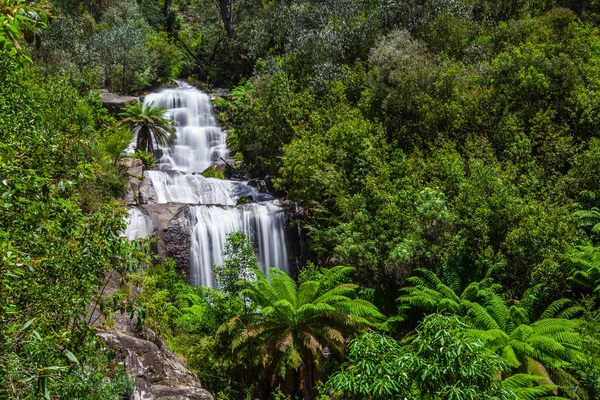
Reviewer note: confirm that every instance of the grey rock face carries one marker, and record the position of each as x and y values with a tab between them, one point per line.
147	194
175	239
158	373
113	102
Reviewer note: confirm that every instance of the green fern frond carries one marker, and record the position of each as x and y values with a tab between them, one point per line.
553	309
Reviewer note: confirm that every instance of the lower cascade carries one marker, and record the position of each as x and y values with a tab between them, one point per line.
213	213
262	223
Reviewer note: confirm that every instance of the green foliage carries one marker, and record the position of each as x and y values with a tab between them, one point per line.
441	361
211	173
59	235
115	142
147	159
293	327
150	123
240	264
544	344
449	136
18	20
585	264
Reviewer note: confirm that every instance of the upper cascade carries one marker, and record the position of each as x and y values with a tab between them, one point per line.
200	142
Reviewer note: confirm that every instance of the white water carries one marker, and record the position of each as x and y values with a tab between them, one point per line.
200	143
262	222
139	225
180	187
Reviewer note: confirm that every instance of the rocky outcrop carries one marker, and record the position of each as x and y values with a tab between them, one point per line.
158	374
135	177
295	216
146	192
113	102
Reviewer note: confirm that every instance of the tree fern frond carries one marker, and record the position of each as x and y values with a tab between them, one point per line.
553	309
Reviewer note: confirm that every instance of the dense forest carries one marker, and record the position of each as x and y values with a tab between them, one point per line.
443	157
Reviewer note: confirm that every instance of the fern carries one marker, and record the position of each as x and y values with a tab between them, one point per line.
292	325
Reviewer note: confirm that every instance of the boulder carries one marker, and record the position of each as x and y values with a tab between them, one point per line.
162	214
135	167
158	373
135	171
147	194
113	102
132	191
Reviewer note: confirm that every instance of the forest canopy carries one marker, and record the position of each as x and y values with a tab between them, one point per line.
443	155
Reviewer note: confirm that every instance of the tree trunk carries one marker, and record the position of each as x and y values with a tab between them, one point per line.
143	139
226	11
308	376
166	5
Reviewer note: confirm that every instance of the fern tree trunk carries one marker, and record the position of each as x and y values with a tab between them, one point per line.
308	376
144	141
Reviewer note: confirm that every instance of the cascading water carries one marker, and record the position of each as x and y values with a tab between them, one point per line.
200	144
262	222
180	187
139	225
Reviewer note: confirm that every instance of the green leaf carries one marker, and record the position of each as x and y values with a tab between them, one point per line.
71	357
27	324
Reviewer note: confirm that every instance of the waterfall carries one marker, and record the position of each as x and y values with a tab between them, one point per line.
212	214
139	225
200	143
180	187
262	223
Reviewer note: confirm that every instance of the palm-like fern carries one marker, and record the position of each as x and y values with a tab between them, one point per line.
530	387
541	346
151	123
585	261
588	214
294	327
430	294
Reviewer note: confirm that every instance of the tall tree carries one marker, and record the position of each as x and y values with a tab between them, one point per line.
226	12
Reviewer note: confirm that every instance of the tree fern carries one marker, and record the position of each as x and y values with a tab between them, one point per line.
292	325
151	123
513	331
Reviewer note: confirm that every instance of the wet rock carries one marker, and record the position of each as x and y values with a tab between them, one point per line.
176	240
219	92
147	194
271	187
259	184
295	216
